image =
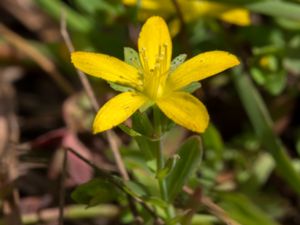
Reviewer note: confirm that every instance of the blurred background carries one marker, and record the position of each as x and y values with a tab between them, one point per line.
250	165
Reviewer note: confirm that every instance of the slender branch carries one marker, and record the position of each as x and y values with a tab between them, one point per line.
108	176
112	138
98	170
83	79
213	208
9	162
107	211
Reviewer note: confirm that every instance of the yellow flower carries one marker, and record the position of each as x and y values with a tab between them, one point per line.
193	9
153	82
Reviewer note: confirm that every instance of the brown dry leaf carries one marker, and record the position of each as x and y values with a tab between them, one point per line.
79	171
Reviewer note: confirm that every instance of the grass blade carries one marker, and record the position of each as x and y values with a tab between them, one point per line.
74	20
262	124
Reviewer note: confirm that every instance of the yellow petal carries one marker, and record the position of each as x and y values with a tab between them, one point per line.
236	16
130	2
194	9
185	110
107	68
148	8
175	27
201	67
154	37
165	5
117	110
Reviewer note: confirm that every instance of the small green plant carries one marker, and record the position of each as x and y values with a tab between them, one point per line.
153	84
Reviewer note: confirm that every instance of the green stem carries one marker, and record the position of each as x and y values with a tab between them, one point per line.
170	212
160	163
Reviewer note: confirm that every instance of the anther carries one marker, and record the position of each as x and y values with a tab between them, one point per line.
144	59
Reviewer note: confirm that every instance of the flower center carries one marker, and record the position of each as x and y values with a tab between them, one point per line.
156	76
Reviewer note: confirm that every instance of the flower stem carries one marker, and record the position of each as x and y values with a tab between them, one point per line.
170	212
160	163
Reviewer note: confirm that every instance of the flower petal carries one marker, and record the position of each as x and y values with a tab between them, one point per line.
117	110
237	16
226	12
153	37
158	6
200	67
185	110
107	68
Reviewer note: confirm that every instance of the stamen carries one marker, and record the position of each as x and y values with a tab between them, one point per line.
159	51
165	56
144	59
155	78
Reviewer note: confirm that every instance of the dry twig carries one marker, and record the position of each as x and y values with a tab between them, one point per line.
112	138
107	175
9	136
213	208
50	215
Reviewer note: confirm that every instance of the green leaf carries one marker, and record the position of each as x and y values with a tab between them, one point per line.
212	140
155	201
276	8
146	146
261	170
273	82
146	106
179	219
292	25
94	192
177	61
263	167
142	124
276	82
134	189
169	166
74	20
258	75
192	87
120	88
190	154
291	61
244	211
132	57
202	219
131	132
94	6
262	123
